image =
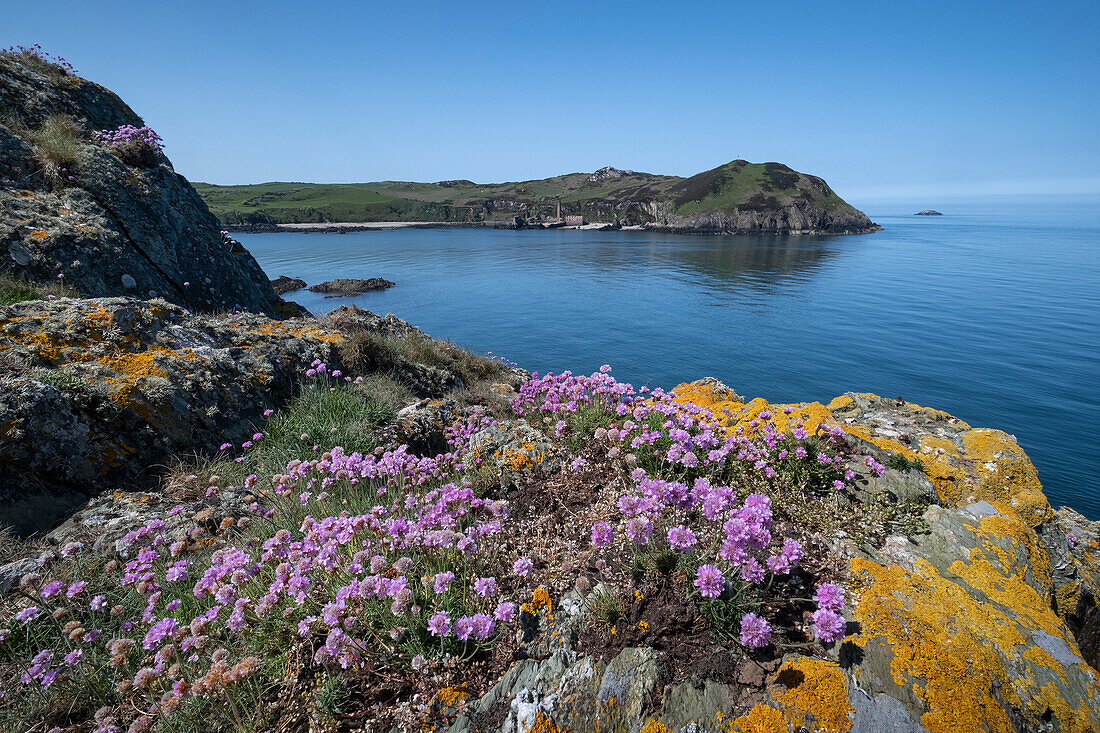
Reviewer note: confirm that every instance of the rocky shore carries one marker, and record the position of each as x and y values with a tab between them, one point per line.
213	519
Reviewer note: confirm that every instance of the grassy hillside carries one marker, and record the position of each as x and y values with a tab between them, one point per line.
608	195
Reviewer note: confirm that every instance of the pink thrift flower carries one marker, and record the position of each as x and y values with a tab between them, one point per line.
829	625
602	534
755	631
709	581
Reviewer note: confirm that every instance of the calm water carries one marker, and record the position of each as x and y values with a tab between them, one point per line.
991	313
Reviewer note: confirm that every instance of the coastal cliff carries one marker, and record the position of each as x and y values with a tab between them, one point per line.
539	553
87	195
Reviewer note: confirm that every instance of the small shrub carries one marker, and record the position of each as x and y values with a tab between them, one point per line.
899	462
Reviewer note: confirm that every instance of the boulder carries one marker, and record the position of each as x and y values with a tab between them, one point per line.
283	284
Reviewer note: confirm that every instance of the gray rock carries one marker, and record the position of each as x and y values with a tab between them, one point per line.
146	221
880	714
13	572
346	287
106	389
515	450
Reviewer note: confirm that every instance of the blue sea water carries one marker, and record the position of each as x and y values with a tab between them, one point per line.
991	312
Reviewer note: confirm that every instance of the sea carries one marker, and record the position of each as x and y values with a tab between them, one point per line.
990	312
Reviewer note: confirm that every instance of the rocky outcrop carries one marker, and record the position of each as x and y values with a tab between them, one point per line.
928	212
110	228
798	217
283	284
343	287
984	620
97	392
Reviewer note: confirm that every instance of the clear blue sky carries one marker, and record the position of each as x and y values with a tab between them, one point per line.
880	98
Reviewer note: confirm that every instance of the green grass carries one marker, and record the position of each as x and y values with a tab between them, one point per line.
725	187
899	462
346	417
14	289
330	414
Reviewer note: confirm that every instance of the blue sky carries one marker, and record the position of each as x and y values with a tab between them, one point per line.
930	99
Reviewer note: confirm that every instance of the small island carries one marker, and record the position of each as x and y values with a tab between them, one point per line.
928	212
283	284
343	287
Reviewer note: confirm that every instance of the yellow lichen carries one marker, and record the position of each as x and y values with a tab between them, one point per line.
761	719
951	649
654	726
540	600
449	696
543	724
818	692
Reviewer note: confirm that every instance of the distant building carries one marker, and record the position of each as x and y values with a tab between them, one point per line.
574	221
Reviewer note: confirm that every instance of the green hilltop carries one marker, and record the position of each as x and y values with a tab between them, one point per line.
737	196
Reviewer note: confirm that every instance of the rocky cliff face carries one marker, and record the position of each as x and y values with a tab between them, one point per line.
110	227
797	217
96	393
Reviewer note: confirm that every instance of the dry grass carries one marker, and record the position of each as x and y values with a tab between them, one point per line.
368	352
57	145
386	391
13	547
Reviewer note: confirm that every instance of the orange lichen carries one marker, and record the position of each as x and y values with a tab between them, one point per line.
953	650
282	329
984	465
654	726
522	458
540	600
449	696
761	719
543	724
819	692
38	235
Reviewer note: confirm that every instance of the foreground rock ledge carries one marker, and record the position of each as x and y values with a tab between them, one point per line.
987	622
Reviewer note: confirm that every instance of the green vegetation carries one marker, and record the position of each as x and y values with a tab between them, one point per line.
56	145
899	462
14	289
630	198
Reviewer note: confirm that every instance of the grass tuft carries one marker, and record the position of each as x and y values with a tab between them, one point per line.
14	289
899	462
57	145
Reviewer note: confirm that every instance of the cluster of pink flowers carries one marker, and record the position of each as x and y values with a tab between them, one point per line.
415	562
678	454
128	135
36	51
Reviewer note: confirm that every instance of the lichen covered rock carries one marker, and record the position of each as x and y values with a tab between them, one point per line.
96	392
985	620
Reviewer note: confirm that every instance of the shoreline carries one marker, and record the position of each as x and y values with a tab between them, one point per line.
366	226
